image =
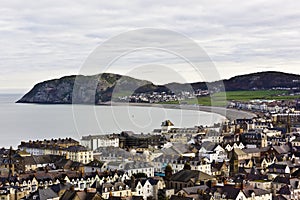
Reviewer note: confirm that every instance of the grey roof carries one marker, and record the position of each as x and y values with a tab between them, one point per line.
165	158
229	191
282	149
61	186
209	146
187	175
195	189
282	179
175	149
213	133
77	148
137	165
43	194
89	137
113	152
257	191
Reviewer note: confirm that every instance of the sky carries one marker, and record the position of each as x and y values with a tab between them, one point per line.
48	39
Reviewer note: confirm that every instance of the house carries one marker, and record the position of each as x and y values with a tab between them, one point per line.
192	192
132	167
93	166
139	167
128	139
262	184
44	147
46	193
290	191
255	138
196	163
276	168
214	136
162	161
117	189
220	168
166	126
241	154
230	147
82	195
148	187
39	161
188	178
93	142
108	154
213	152
296	142
237	193
267	161
279	182
79	154
242	125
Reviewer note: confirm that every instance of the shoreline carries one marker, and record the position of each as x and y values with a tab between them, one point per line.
228	113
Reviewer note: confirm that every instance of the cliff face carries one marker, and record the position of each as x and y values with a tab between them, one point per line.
52	91
105	87
86	89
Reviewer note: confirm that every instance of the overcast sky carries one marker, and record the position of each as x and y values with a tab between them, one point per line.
42	40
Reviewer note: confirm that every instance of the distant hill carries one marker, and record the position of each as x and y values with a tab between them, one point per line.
103	87
262	81
89	89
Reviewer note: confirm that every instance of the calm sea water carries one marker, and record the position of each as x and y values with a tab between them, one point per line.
35	121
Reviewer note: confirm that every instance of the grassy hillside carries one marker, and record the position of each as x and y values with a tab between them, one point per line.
221	98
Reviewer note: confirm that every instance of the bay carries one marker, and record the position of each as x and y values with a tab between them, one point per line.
23	122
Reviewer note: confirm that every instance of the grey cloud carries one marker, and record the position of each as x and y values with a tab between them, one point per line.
239	36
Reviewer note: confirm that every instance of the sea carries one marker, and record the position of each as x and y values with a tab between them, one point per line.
24	122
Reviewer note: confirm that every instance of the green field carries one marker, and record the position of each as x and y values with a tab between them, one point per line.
221	98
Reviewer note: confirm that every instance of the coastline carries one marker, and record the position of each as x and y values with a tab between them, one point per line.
228	113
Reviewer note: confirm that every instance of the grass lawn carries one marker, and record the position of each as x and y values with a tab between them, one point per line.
221	98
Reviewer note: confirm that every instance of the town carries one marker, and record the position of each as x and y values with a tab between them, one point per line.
255	158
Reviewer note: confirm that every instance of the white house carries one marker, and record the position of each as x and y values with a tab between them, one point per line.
95	141
213	152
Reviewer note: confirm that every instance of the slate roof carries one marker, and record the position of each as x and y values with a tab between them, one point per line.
175	149
187	175
257	191
77	148
230	192
43	194
284	190
282	179
137	165
278	167
95	163
113	152
195	189
61	186
208	146
282	149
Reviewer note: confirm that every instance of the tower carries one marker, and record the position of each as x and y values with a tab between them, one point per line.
234	163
